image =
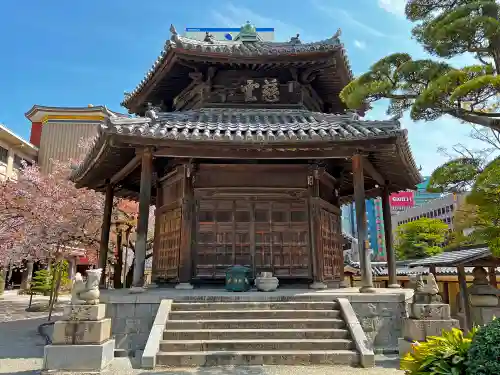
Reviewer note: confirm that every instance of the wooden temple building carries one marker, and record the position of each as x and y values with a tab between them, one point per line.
247	152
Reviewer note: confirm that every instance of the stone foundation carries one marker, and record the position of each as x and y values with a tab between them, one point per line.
380	314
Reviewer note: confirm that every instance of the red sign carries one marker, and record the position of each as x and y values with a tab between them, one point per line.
402	199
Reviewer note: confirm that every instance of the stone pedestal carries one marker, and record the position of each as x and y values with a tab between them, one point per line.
425	320
81	341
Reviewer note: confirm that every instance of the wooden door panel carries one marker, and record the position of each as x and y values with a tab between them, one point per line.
331	246
169	238
263	235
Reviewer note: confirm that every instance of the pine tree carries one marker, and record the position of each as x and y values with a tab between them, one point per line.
432	88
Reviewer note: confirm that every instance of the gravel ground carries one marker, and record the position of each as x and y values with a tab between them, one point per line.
21	351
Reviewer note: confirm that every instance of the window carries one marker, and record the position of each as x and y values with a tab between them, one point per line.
3	154
17	162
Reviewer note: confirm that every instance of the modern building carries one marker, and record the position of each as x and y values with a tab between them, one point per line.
59	131
375	225
13	151
422	196
224	34
401	202
441	208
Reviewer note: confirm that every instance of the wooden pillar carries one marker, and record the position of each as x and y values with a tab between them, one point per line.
186	261
446	292
315	229
117	277
464	293
359	201
158	223
492	275
105	228
389	240
142	221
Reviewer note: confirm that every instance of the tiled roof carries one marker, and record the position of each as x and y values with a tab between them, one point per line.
380	269
238	49
252	125
453	257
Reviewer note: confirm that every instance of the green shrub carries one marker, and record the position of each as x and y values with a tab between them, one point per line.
439	355
41	282
484	353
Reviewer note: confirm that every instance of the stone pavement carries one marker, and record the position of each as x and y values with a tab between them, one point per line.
21	350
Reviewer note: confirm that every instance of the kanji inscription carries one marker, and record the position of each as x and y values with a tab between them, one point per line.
248	90
270	91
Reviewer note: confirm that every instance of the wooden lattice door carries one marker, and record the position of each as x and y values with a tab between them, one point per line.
169	237
331	253
222	237
282	238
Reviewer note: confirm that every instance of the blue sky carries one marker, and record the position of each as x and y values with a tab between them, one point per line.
61	53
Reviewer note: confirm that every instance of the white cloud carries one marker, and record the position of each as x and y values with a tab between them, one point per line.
359	44
236	16
341	14
396	7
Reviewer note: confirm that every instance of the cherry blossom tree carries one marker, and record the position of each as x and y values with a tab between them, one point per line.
43	215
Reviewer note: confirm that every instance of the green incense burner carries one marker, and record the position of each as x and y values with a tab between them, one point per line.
238	279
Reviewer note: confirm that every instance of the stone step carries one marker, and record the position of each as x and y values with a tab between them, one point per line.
253	314
259	344
254	324
247	334
274	357
291	305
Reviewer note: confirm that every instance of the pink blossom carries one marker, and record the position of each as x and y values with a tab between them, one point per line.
43	214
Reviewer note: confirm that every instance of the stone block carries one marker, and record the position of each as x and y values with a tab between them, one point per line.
434	311
121	341
143	310
125	310
81	332
78	357
419	330
137	325
110	310
119	326
85	312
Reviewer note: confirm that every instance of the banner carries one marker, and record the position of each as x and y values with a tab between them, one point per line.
403	199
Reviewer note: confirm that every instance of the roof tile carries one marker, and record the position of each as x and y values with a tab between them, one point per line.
251	125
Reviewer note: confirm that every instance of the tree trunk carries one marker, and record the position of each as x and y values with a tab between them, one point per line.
52	287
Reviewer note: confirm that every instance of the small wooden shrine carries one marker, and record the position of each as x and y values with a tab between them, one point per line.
247	152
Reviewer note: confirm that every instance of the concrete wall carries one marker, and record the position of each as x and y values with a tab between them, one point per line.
60	141
131	323
443	203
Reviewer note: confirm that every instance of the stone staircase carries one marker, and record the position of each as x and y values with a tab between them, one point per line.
256	333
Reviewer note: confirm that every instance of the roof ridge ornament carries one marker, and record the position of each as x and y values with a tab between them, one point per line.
175	35
337	34
295	40
248	33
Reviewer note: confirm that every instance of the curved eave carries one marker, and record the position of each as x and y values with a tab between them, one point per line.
96	166
168	57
